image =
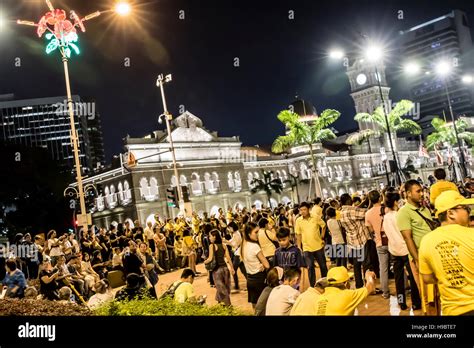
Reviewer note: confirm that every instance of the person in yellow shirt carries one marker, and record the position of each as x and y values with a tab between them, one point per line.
317	210
184	290
441	185
337	298
195	222
229	215
310	239
446	255
267	240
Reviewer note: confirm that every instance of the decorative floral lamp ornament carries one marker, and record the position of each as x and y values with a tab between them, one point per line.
60	32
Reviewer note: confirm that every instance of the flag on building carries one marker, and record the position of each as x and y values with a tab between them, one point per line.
423	152
439	158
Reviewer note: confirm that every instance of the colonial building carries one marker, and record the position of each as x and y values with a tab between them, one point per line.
218	173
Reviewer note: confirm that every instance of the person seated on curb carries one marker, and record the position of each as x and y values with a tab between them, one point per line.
337	299
183	288
283	297
273	280
135	288
102	294
446	255
306	303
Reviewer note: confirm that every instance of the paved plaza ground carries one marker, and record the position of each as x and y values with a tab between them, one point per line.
374	304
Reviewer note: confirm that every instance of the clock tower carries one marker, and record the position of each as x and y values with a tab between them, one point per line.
364	78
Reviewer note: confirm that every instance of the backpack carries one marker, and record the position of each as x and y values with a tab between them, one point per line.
171	291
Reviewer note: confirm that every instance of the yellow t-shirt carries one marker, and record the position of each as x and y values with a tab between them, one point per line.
317	211
306	303
448	253
268	248
196	222
309	229
336	301
439	187
184	291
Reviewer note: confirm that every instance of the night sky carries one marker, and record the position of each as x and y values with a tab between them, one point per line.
279	57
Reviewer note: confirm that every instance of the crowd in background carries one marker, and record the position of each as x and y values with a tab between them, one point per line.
295	258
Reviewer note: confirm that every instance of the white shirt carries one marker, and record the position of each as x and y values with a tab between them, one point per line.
54	251
235	241
149	233
98	299
335	230
251	261
281	300
396	243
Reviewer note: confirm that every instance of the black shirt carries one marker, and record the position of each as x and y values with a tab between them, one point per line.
49	290
132	264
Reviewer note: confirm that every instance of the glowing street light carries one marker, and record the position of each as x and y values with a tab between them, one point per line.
412	68
336	54
123	8
443	68
468	79
374	53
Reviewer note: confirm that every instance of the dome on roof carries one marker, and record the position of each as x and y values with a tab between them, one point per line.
303	107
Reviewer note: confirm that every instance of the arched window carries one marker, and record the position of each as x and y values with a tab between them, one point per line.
120	192
325	193
153	188
348	171
284	175
237	182
183	181
293	170
339	173
258	204
174	182
250	179
304	171
144	189
230	181
196	184
112	197
208	183
341	191
215	181
330	173
127	192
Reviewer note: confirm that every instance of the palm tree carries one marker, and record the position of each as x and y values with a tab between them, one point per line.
395	122
301	133
444	133
267	183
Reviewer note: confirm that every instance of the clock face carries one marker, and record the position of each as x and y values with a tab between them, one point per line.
361	79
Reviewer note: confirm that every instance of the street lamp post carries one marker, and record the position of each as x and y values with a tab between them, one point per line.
168	117
389	133
62	35
463	160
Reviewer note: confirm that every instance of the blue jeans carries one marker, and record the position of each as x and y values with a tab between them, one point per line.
384	262
309	257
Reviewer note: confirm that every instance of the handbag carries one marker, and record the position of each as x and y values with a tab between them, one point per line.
432	224
213	264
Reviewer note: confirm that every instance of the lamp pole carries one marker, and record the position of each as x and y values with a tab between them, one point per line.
63	36
387	124
463	160
168	117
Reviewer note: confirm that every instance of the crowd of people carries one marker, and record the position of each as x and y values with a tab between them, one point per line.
295	258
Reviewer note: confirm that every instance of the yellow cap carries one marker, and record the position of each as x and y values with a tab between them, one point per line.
450	199
338	275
